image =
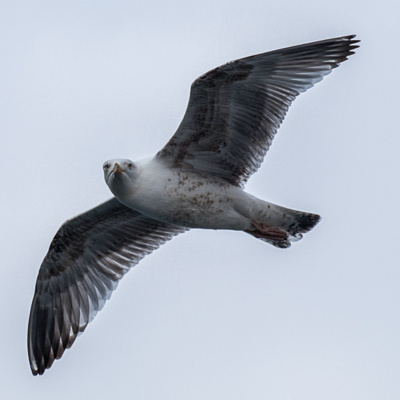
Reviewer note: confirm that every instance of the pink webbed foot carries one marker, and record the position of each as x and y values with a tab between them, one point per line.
275	236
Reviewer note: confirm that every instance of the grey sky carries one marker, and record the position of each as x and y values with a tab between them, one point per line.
210	315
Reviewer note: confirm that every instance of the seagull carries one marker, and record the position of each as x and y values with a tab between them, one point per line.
195	181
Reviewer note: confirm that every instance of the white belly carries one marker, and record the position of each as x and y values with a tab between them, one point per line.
187	199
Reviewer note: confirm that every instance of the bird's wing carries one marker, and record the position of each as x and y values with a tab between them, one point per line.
235	110
88	256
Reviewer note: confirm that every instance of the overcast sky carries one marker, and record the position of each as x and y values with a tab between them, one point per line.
210	315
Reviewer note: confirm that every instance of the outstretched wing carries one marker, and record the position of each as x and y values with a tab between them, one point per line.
235	110
87	257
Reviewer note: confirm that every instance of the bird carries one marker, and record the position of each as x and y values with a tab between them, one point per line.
195	181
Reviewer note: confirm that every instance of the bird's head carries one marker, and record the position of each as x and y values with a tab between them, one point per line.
120	176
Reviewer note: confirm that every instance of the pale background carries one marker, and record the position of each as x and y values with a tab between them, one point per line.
210	315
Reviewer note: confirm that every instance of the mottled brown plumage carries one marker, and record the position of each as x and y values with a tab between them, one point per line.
233	114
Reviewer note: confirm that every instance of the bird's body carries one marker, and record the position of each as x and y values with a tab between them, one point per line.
183	198
198	200
195	181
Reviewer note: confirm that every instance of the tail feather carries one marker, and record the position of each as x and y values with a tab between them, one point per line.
303	223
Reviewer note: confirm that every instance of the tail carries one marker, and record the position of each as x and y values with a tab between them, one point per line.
281	226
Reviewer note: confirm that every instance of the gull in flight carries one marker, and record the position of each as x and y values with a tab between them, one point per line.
195	181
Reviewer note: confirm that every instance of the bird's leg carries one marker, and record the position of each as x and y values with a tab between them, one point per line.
267	232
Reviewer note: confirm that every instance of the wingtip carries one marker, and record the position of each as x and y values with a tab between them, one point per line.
348	44
40	369
353	43
34	368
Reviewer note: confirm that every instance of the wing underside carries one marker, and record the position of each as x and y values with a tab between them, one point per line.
87	258
235	110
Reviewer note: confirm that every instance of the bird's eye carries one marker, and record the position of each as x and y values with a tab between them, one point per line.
130	165
106	166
